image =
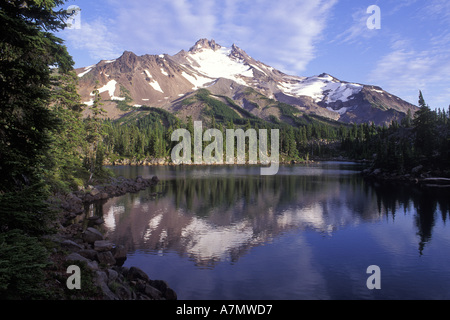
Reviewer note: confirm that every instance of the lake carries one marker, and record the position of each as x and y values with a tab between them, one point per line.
310	232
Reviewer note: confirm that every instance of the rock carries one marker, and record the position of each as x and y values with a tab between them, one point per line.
106	258
93	265
163	287
120	254
103	245
91	235
124	293
71	245
88	254
95	192
101	280
376	172
113	275
417	169
152	292
135	273
104	195
76	257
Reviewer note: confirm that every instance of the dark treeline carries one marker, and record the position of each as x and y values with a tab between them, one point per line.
47	147
150	135
419	140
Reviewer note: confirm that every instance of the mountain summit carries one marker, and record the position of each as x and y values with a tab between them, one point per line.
163	81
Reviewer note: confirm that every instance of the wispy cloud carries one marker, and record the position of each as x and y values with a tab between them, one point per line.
419	60
95	39
357	32
406	70
281	33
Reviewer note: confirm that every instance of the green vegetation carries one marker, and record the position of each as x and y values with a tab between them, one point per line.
44	142
47	147
422	140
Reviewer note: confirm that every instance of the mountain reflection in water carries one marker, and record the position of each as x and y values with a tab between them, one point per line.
213	215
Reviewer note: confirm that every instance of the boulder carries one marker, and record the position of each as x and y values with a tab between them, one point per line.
103	245
120	254
135	273
417	169
71	245
376	172
106	258
152	292
75	257
88	254
90	235
95	192
101	280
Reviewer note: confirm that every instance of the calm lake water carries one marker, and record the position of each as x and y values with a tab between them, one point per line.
310	232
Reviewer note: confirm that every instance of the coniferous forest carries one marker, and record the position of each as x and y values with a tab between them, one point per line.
48	147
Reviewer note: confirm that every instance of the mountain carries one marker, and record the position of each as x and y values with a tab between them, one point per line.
164	81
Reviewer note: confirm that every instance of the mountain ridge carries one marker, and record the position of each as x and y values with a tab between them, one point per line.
132	81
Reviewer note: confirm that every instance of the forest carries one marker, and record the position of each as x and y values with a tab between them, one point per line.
48	147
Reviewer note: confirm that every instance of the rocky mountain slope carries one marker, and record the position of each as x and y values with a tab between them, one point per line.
165	81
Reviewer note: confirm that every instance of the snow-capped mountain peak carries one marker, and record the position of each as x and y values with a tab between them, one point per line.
160	81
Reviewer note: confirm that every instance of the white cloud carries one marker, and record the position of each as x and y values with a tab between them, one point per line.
405	71
95	38
281	33
418	57
358	31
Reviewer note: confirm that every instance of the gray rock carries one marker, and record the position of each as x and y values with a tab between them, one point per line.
91	235
152	292
417	169
135	273
95	192
119	252
113	275
93	265
103	245
124	293
101	280
71	245
106	258
376	172
88	253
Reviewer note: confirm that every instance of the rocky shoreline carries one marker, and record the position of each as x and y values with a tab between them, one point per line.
419	176
100	260
167	162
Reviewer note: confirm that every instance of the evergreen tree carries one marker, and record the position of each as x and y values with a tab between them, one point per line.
94	150
28	51
425	128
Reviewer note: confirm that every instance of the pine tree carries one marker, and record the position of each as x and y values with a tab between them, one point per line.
94	150
424	128
28	51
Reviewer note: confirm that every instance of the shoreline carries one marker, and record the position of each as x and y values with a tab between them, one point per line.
165	162
418	176
82	244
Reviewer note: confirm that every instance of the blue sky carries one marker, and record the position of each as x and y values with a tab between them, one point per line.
410	52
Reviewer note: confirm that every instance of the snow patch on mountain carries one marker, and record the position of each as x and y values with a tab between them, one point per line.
197	81
155	85
218	64
321	88
164	72
86	70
